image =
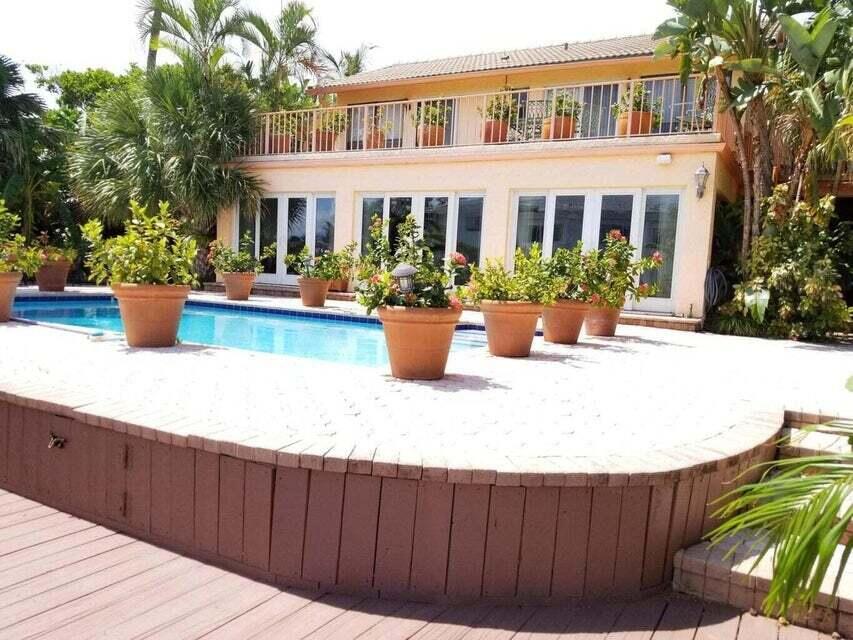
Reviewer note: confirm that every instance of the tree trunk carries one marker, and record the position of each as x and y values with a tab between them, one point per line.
762	154
153	41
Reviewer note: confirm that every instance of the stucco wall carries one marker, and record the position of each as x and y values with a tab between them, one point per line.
498	179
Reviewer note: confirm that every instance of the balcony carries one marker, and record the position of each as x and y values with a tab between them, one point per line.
659	106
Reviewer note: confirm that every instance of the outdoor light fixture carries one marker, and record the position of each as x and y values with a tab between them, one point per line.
701	176
404	276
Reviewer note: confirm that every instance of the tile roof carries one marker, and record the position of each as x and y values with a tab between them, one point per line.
623	47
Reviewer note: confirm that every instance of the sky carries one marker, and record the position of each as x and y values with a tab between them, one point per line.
76	34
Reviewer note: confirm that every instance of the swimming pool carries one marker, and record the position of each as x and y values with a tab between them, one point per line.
268	330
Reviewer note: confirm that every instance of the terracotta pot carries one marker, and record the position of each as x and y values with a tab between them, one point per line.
510	326
341	284
53	275
313	291
562	321
641	123
238	286
279	143
418	340
9	281
430	135
326	140
375	139
564	128
495	131
151	313
602	321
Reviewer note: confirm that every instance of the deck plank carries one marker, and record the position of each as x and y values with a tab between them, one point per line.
405	623
680	620
308	619
719	622
263	616
758	628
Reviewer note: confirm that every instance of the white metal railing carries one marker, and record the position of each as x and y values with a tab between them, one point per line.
644	107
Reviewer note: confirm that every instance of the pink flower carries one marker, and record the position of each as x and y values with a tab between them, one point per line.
643	289
374	279
595	298
458	260
455	303
615	234
657	258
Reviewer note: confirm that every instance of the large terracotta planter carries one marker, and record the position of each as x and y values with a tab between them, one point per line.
313	291
418	340
238	286
563	320
375	139
151	313
279	143
563	128
495	131
430	135
602	321
641	123
9	282
510	327
326	140
53	275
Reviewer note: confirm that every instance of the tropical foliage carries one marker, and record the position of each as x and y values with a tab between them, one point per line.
323	266
152	250
569	266
531	280
612	273
225	260
15	254
800	510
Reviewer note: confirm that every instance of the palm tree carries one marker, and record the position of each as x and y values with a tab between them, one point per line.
17	110
802	508
350	63
200	31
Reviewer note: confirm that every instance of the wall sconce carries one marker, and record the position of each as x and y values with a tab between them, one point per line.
701	177
404	276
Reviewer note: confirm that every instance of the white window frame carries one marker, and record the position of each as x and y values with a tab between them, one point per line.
663	305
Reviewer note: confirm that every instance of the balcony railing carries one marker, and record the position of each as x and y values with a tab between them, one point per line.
648	107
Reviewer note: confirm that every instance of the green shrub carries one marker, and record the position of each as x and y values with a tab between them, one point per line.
151	250
15	255
433	112
502	107
530	281
565	106
304	264
225	260
642	101
612	273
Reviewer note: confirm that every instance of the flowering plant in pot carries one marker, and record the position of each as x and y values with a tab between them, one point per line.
637	108
329	125
511	302
611	274
563	319
414	299
238	268
344	262
16	260
501	115
150	269
315	275
430	118
56	262
561	118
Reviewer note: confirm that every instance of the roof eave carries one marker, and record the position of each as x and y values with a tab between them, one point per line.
336	88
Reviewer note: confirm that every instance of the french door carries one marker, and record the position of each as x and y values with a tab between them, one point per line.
290	221
648	218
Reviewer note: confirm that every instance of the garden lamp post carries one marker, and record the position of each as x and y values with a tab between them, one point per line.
404	276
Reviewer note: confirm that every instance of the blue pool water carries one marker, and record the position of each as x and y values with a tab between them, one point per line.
307	337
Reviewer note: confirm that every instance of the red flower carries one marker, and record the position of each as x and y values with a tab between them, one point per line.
458	260
615	234
643	289
455	303
595	298
657	258
374	279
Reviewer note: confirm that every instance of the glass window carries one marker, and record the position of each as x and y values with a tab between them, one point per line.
469	229
568	221
269	230
615	214
324	226
296	222
435	226
370	208
398	209
659	226
531	221
246	224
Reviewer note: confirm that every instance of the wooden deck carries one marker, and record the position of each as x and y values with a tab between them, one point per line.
63	577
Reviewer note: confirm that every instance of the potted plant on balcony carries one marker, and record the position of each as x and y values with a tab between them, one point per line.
150	269
512	302
611	274
238	268
563	319
282	129
330	123
414	300
56	262
560	123
501	114
315	275
378	127
16	259
637	108
344	262
430	118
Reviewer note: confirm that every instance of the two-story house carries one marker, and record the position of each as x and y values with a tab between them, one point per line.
500	150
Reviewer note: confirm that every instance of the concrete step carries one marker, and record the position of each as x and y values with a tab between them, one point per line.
727	573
